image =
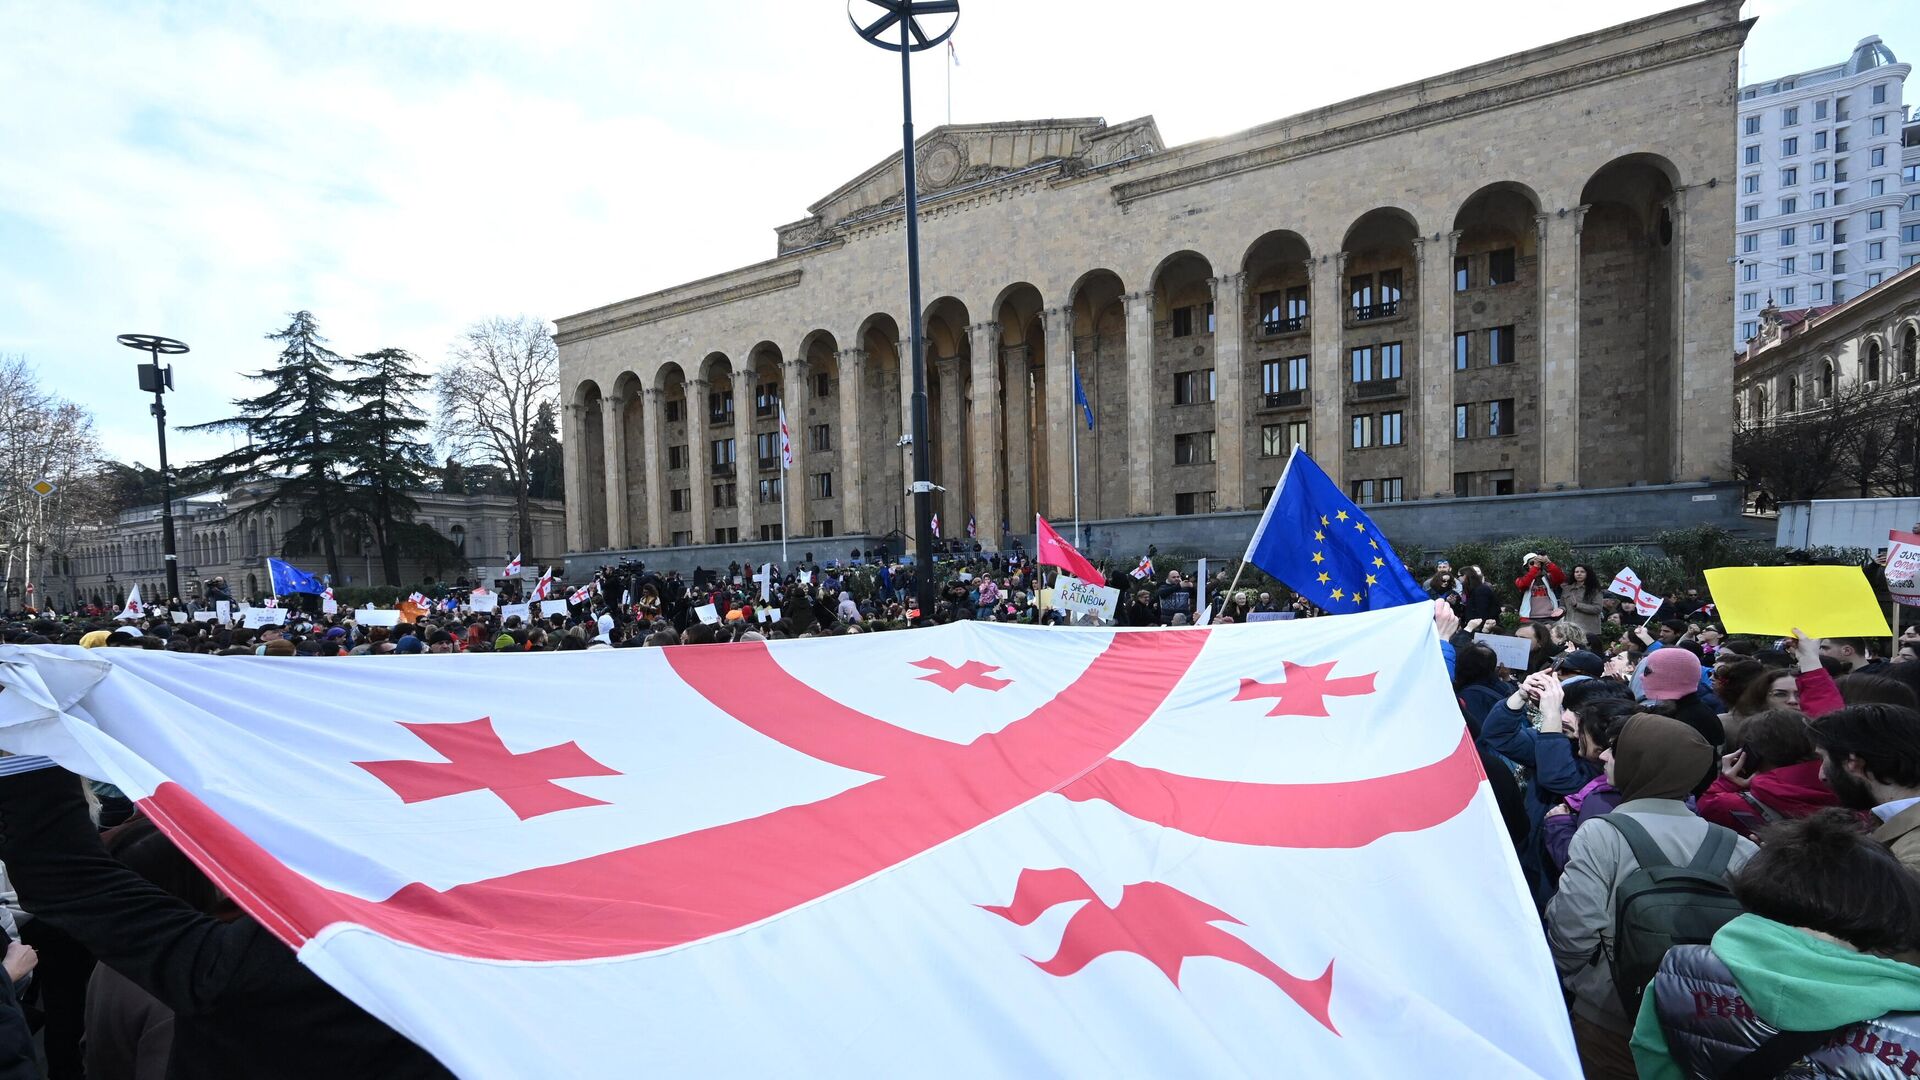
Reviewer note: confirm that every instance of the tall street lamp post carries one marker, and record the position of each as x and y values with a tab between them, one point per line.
913	37
160	380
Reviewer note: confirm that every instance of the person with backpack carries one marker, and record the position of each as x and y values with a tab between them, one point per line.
1176	599
1638	880
1805	983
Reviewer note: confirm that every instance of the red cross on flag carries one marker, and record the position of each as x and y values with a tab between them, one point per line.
1627	583
544	587
1190	852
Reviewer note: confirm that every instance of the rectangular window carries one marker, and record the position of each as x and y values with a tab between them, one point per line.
1183	322
1361	491
1910	174
729	535
1817	232
676	457
680	500
1209	316
1879	125
720	406
1500	346
1786	266
672	410
1910	234
1839	177
770	490
1876	250
1391	425
1820	143
1786	296
823	527
1790	116
1752	155
1816	291
1390	360
1840	231
766	449
1362	431
1818	201
1297	297
1790	176
1749	271
1500	267
1460	351
1462	420
822	385
1750	184
1877	157
1297	434
1839	292
1278	440
725	494
1362	361
1193	387
1389	292
1876	187
1820	109
820	437
766	399
1750	212
1817	261
1875	278
1749	301
1750	243
1193	502
682	538
1790	205
1789	146
823	485
1462	280
1297	368
1876	220
1819	170
1747	330
1194	448
722	458
1839	266
1787	236
1500	417
1270	313
770	532
1753	125
1879	93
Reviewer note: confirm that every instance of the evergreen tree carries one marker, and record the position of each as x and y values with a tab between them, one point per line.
453	477
381	453
546	464
291	431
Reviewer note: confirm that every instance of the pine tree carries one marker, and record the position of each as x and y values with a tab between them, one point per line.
546	464
381	452
291	431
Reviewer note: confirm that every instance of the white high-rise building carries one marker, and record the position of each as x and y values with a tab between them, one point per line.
1824	183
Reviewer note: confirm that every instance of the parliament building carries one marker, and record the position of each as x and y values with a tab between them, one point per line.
1503	287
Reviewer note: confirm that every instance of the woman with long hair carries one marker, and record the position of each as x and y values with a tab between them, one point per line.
1582	599
1478	602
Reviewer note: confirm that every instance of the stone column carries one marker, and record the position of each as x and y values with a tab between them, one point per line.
746	482
1061	412
983	435
949	459
1140	406
793	392
853	382
613	428
1230	392
1327	318
699	462
1019	440
1433	409
1559	335
576	483
1695	430
653	430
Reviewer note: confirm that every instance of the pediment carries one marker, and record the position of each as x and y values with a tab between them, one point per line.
956	156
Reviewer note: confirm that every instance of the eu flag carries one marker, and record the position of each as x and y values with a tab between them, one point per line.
1318	543
286	579
1080	398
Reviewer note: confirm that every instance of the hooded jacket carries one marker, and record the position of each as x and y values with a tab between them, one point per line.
1791	791
1711	1005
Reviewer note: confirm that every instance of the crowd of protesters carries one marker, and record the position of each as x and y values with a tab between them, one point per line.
1779	779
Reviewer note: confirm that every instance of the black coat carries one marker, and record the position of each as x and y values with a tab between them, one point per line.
243	1005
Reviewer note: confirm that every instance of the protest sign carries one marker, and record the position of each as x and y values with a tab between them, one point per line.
329	606
1514	653
257	617
1072	594
508	611
179	617
1903	567
552	607
482	600
376	617
1822	601
1269	616
768	614
707	613
224	608
207	616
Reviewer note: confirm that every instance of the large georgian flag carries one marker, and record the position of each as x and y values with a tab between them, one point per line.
977	850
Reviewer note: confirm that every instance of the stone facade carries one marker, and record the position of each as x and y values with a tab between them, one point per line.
231	536
1555	221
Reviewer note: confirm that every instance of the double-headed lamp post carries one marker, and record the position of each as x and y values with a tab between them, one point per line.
160	380
903	17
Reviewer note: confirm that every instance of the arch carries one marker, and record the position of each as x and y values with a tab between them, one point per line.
584	391
1629	315
1388	223
1098	353
1872	353
1024	299
1183	280
949	348
1760	403
1792	403
1106	283
590	428
1909	363
1498	217
674	501
1829	378
1022	403
1273	246
1500	191
885	460
629	389
1379	249
814	341
669	374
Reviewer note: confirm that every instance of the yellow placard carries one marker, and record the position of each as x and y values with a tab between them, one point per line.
1822	601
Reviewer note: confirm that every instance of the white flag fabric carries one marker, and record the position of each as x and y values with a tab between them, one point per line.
786	441
1627	583
131	609
975	850
513	568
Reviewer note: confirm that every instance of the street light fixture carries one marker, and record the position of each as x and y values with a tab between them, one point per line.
912	38
160	380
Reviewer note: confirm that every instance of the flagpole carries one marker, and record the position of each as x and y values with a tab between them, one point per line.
1261	526
783	512
1073	359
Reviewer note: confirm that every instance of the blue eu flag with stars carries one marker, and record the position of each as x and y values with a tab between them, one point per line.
1080	398
1314	540
286	579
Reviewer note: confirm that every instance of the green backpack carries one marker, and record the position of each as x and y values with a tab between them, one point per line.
1661	905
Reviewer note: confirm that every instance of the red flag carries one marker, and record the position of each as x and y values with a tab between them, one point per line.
1050	549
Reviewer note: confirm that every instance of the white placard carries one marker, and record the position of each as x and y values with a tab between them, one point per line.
207	616
806	577
376	617
768	614
224	608
508	611
179	617
483	601
552	607
257	617
1903	567
1072	594
1513	652
707	613
1268	616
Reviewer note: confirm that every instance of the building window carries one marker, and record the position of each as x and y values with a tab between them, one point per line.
1817	261
1817	231
1879	93
1500	346
725	494
1818	201
676	457
820	437
1462	280
1193	502
1875	278
1816	291
680	500
1873	361
1879	125
1786	296
1460	351
766	449
770	490
729	535
1790	116
1297	299
1193	387
1500	267
770	532
1278	440
1749	272
822	385
1749	301
1877	157
1789	146
1283	312
1375	296
1910	234
720	406
1786	266
1876	249
1751	155
672	410
1390	360
766	399
1750	184
1820	109
1787	236
1790	176
1279	377
1819	170
1876	187
1876	219
1750	212
1193	448
1820	143
1362	361
722	458
682	538
1753	125
1462	420
1748	330
1392	431
1750	243
823	485
1183	322
1790	205
1362	431
1500	417
1840	231
1384	490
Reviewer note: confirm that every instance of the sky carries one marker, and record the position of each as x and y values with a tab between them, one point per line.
404	168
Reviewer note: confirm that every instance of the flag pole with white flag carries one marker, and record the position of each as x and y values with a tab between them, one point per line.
786	463
131	609
1096	837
